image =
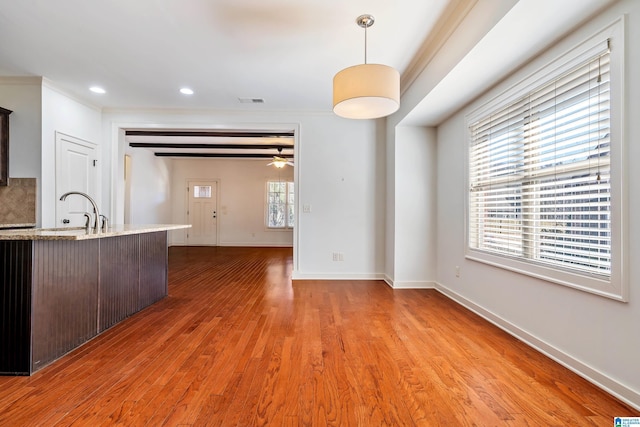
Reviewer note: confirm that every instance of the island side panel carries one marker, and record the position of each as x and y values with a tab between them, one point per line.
65	297
153	268
119	273
15	307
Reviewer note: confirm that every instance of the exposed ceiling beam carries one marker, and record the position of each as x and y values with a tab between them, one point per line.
222	155
212	133
209	146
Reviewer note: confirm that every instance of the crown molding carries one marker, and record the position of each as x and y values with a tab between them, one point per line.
454	13
51	85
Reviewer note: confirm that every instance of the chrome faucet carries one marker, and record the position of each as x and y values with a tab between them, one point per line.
96	214
87	222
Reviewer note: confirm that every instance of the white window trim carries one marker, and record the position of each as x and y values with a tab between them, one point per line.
617	286
266	205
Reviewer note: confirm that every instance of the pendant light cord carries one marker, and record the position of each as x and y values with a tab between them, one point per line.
365	43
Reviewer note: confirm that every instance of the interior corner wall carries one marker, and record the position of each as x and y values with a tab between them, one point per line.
414	207
23	96
390	212
380	198
595	336
61	113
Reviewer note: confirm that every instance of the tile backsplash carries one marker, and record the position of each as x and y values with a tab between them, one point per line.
18	202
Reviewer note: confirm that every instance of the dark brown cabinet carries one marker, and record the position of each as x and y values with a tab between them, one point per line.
58	294
4	146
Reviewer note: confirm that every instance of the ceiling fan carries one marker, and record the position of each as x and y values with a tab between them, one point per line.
279	161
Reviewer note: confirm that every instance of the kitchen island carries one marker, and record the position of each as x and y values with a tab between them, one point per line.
62	287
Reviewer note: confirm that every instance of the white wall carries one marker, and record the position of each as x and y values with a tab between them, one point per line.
390	210
241	197
150	198
23	96
39	111
339	173
595	336
414	208
342	178
61	113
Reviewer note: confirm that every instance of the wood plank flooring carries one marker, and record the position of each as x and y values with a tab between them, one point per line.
236	344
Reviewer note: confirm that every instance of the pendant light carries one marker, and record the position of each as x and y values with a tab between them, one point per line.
366	91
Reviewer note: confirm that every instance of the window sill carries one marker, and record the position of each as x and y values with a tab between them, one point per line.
282	229
587	283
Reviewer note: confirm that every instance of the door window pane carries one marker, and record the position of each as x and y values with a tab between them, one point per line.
202	191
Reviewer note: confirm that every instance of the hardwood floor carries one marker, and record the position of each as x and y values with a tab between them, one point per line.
236	343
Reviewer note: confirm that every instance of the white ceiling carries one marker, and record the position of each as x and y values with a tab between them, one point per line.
143	51
283	51
524	31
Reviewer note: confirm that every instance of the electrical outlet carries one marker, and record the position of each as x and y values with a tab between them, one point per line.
306	208
338	256
457	271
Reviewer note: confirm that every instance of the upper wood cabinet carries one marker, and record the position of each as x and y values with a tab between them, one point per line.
4	146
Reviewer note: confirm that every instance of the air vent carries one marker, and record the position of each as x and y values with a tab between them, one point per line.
251	100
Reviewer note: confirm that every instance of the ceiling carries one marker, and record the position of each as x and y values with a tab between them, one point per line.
142	52
229	52
281	52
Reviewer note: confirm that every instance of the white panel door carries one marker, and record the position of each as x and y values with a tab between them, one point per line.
202	213
76	170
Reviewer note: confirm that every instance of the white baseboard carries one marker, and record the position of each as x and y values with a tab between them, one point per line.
365	276
337	276
425	284
622	392
241	245
256	244
409	284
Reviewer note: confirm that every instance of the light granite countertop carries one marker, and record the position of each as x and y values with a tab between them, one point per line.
81	233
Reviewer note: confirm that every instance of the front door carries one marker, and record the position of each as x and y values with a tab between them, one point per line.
76	170
202	213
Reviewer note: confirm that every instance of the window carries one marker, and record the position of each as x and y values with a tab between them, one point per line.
280	205
540	177
202	191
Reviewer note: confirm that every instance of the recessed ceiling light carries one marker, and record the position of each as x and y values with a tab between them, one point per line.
186	91
251	100
97	89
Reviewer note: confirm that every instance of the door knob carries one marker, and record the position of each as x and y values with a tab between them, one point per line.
214	214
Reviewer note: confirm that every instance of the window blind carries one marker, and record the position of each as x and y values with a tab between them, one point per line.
539	173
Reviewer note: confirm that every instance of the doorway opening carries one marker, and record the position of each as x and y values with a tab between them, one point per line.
178	152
